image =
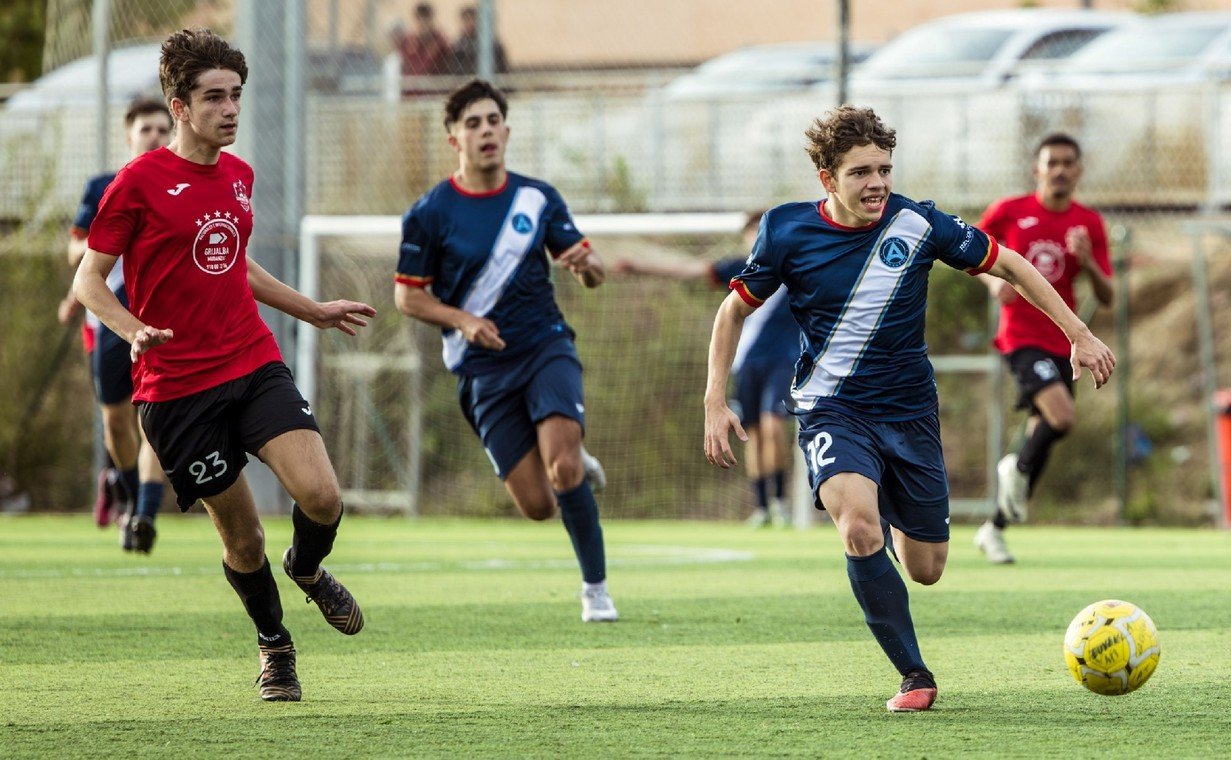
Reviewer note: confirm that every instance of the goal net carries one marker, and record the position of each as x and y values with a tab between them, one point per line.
389	411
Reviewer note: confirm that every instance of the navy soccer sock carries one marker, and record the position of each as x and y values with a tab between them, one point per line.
779	479
881	593
149	499
579	511
760	489
311	542
259	593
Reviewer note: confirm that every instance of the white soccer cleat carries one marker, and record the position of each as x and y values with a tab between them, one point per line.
990	541
780	513
597	607
1013	492
758	519
594	470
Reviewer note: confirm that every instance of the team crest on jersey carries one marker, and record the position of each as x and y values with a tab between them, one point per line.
216	248
522	223
241	195
894	252
1048	257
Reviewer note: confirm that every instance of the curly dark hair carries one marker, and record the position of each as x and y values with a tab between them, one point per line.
846	127
472	92
188	53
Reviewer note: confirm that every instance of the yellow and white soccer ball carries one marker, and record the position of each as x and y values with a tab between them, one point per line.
1111	647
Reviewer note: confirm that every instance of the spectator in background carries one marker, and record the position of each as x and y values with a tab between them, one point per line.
424	51
466	47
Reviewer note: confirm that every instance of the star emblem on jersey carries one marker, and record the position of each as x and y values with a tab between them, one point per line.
216	247
894	252
178	188
241	194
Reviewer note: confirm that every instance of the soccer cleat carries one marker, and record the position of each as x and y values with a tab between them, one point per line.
142	530
594	470
917	694
124	523
336	603
597	607
1014	489
758	519
277	678
780	513
990	541
104	501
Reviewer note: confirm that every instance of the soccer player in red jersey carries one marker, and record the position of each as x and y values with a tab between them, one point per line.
208	377
1064	240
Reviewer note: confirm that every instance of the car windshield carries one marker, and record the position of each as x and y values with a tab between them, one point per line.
764	65
1146	48
927	51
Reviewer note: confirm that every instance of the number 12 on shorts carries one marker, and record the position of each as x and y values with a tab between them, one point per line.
816	449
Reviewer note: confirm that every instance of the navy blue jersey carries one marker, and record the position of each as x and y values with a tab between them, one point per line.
860	296
770	334
487	254
91	197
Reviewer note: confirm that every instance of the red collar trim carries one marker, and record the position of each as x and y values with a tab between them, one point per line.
820	209
485	194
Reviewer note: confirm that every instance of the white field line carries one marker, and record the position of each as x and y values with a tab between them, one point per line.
636	555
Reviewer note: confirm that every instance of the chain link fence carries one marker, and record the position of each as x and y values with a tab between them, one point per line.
608	104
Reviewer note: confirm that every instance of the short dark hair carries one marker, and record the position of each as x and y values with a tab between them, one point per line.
1057	138
472	92
846	127
145	107
424	10
189	53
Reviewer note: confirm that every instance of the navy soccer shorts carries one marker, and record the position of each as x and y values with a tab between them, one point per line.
904	459
504	407
761	388
1034	370
113	368
201	439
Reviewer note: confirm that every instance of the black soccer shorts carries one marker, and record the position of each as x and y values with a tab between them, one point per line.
1034	370
203	440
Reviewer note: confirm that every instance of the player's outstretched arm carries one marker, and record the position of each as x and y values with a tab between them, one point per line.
584	263
719	419
90	288
673	268
343	315
1088	351
419	304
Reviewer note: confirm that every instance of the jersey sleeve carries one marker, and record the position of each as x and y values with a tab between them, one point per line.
119	214
723	270
960	245
417	258
561	232
759	278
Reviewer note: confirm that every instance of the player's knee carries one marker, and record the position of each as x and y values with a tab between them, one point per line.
1062	422
926	573
861	537
540	508
565	472
245	548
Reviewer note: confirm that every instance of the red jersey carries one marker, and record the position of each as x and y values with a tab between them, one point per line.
1024	225
183	230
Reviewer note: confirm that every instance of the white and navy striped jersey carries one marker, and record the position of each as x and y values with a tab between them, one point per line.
860	296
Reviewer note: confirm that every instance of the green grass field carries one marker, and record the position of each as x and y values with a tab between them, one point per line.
731	643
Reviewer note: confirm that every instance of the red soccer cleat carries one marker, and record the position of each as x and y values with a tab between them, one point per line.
917	694
104	501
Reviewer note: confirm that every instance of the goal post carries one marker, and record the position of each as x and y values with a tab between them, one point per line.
388	406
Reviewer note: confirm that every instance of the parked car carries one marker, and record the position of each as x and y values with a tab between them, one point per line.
763	69
131	71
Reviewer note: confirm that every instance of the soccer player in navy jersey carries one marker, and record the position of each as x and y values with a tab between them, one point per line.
855	266
208	376
475	260
147	126
763	366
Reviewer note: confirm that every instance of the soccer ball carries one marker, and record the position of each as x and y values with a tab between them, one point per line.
1111	647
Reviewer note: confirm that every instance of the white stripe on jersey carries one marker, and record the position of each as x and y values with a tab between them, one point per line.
861	317
507	253
754	325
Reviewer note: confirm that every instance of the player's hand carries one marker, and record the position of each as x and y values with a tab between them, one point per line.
1077	240
69	308
584	264
146	338
343	314
1091	353
482	332
719	422
1003	291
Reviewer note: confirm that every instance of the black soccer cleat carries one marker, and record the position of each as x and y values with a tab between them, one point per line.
143	533
125	523
277	678
336	603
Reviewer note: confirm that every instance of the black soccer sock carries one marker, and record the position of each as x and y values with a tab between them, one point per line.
131	482
779	479
259	593
999	520
311	543
881	593
1033	455
579	511
760	489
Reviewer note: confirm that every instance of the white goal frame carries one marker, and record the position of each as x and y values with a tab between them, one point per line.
314	229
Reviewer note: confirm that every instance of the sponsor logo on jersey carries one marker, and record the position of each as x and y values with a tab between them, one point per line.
894	252
1026	222
241	195
522	223
178	188
216	248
